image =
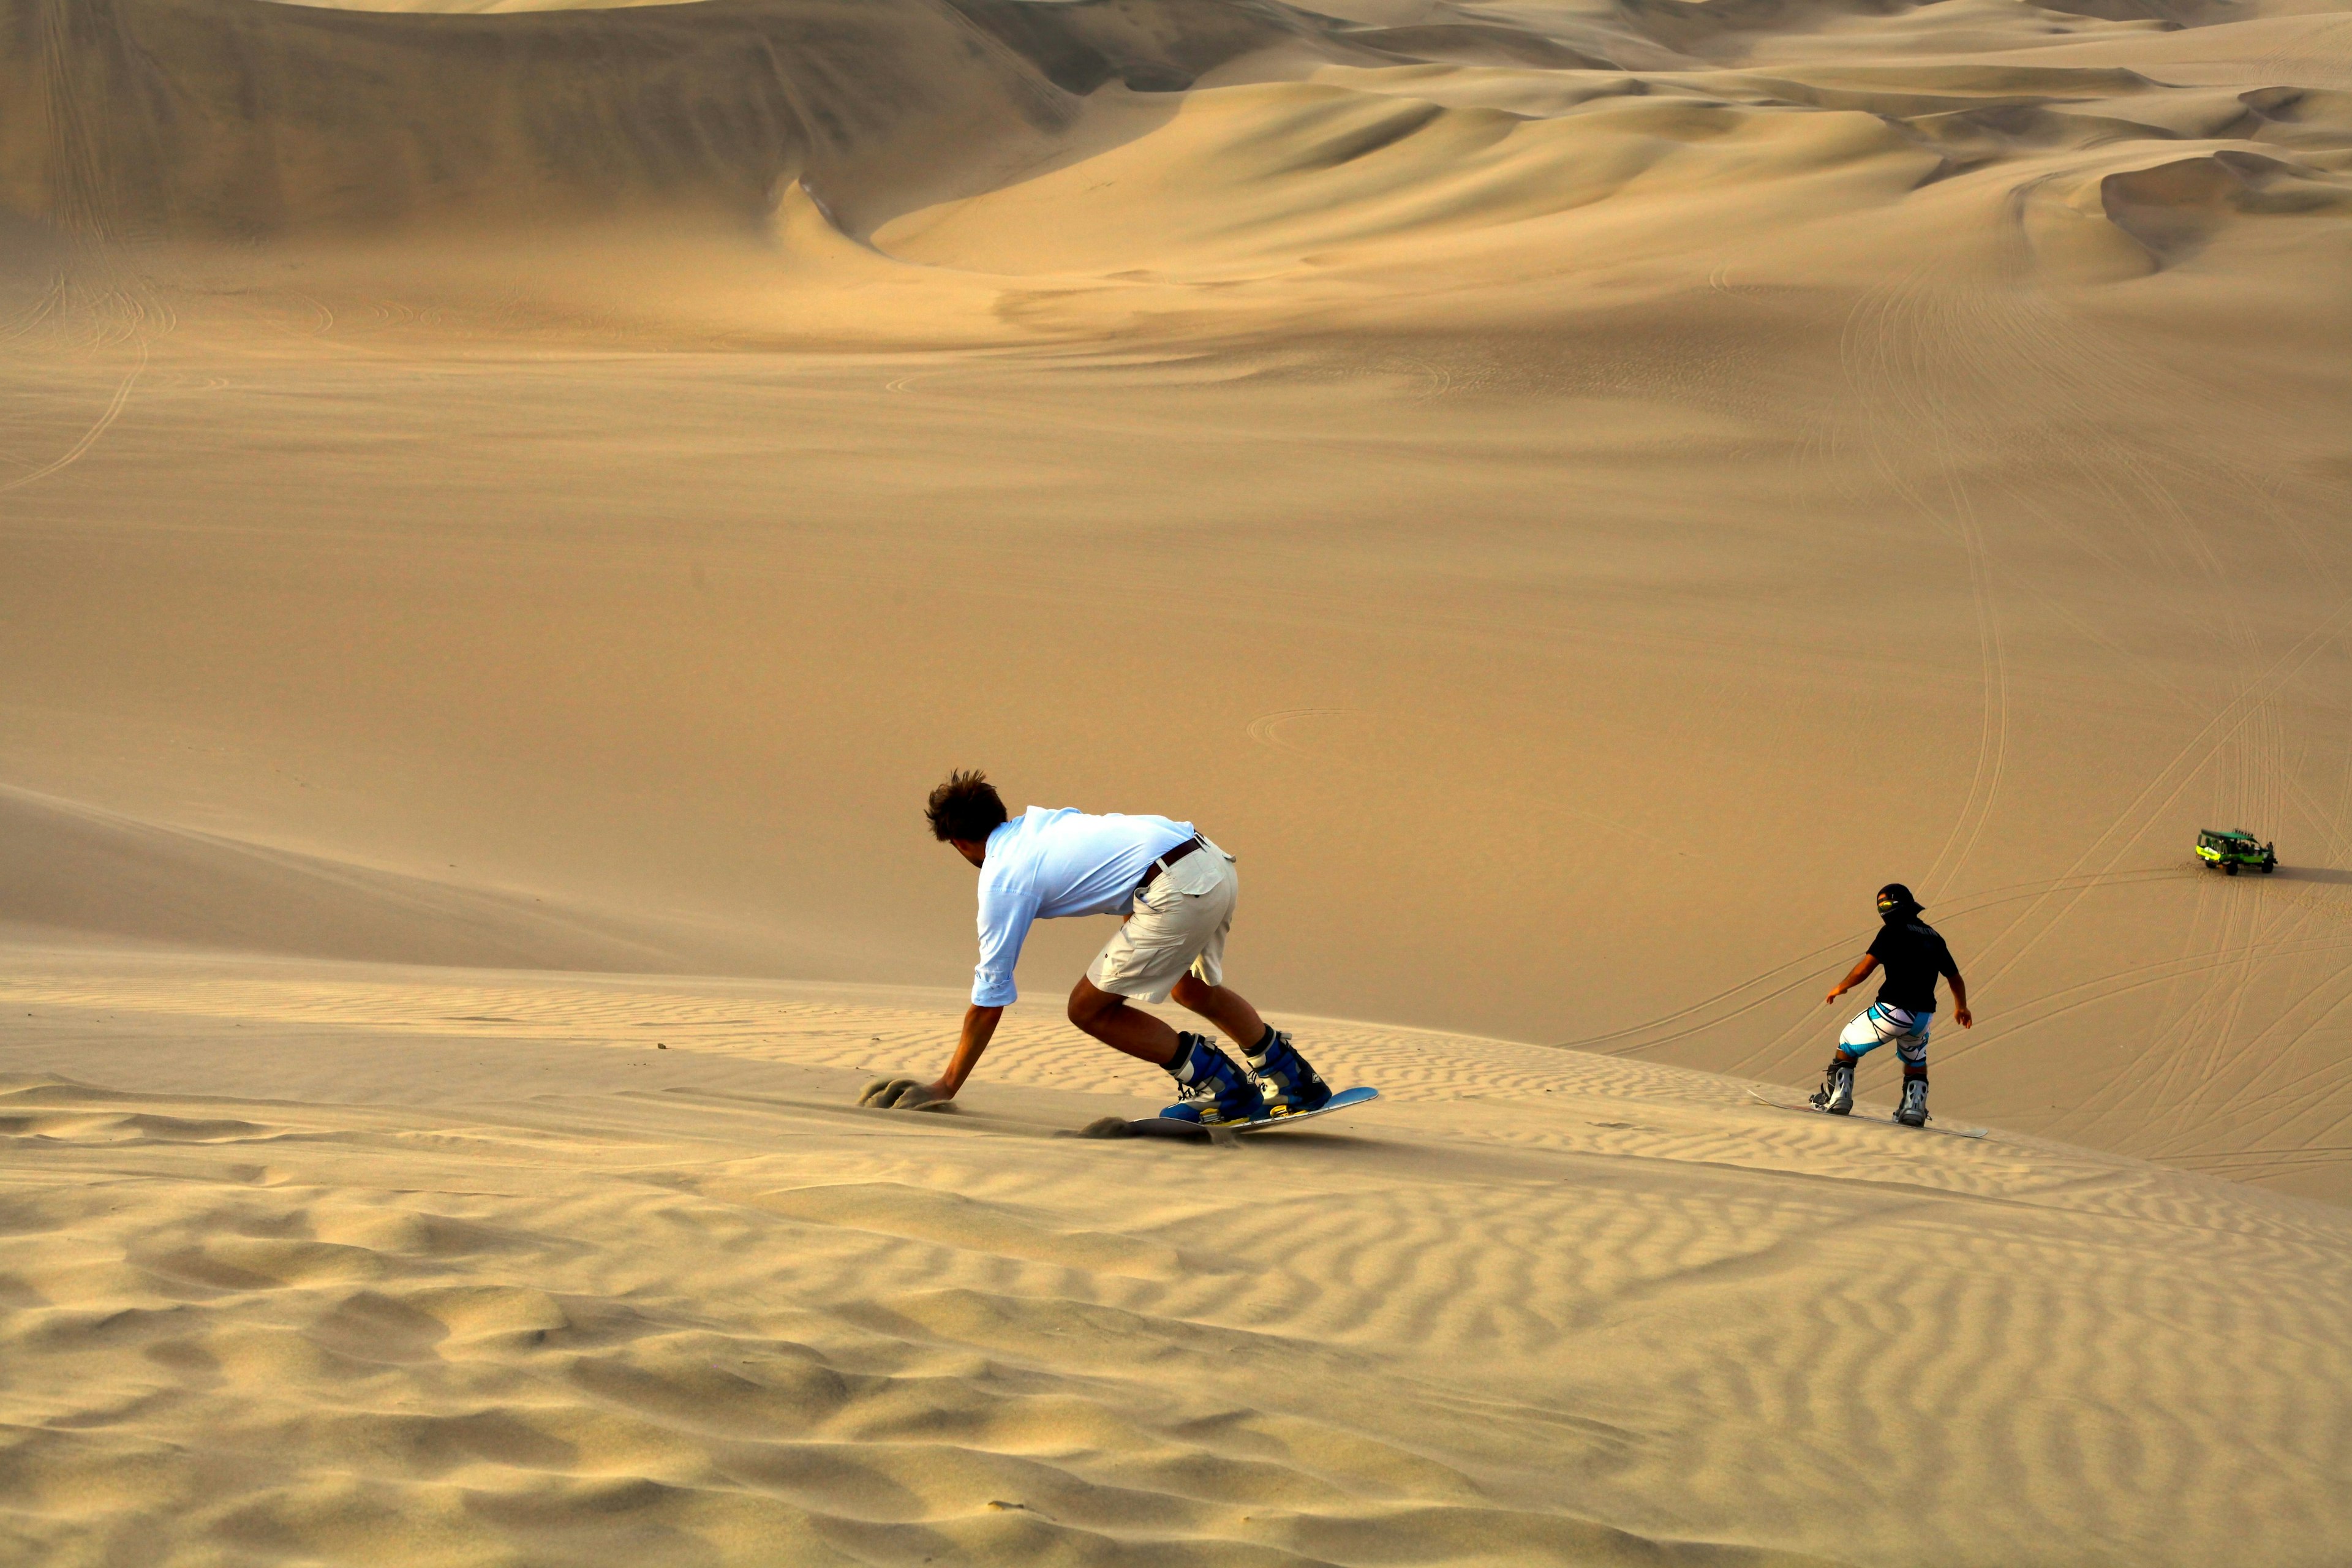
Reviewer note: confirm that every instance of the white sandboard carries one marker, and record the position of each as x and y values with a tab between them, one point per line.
1861	1115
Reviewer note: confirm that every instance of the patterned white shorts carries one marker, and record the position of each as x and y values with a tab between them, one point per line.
1879	1025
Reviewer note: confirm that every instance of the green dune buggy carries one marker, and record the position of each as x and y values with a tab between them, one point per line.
2234	850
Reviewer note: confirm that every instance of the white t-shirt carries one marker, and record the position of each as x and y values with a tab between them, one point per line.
1043	865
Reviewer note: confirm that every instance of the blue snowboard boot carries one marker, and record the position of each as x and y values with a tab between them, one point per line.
1289	1085
1209	1090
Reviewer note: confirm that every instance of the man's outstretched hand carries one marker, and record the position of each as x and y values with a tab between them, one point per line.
905	1094
912	1094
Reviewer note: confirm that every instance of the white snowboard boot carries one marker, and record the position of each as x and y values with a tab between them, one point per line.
1836	1093
1913	1112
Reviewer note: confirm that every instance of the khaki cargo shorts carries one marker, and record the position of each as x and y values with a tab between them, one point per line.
1178	928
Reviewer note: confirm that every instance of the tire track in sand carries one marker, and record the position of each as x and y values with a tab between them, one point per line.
118	306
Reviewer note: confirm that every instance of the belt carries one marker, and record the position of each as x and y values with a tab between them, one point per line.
1152	871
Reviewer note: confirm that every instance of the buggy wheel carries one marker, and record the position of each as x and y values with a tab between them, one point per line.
2230	868
2269	867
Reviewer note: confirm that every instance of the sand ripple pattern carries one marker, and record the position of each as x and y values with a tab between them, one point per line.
470	1272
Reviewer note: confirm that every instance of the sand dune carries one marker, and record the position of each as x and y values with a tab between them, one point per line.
453	1287
641	682
505	509
76	873
1008	140
199	120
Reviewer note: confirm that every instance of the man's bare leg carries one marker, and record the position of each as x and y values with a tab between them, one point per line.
1228	1009
1111	1021
1105	1015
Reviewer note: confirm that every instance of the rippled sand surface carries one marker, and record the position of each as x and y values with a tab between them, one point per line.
473	1266
505	509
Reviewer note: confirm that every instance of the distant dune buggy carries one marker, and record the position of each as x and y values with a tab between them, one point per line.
2231	851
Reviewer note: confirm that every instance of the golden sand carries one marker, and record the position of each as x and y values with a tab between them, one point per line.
502	517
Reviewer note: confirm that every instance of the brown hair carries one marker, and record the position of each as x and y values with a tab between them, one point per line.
965	807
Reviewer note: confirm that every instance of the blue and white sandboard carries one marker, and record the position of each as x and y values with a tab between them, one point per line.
1344	1100
1176	1127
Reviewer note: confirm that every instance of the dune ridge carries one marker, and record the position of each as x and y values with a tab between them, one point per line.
195	119
1144	147
76	872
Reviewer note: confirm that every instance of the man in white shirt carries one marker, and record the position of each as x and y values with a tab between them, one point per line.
1177	892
